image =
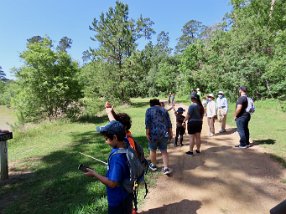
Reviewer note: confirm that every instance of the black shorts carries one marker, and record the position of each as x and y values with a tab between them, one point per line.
195	127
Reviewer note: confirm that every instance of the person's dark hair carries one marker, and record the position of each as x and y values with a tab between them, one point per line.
124	119
198	101
243	88
154	102
120	136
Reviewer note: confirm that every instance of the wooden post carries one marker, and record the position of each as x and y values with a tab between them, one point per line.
3	160
4	136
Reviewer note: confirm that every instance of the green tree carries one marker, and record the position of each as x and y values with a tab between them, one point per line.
47	84
192	31
116	35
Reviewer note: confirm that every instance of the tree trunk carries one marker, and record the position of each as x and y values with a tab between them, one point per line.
271	8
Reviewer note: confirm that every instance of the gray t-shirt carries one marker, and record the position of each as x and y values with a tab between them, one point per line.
194	112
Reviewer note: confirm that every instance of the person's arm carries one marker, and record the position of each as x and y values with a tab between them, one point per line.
148	134
110	111
102	179
226	105
237	110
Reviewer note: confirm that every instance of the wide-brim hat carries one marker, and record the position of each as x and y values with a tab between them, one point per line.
211	95
221	92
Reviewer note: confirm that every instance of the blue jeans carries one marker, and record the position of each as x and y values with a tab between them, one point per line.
242	128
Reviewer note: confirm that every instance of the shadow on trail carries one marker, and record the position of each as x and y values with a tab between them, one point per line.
184	206
219	163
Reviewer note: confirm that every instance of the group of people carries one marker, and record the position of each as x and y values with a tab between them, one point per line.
158	133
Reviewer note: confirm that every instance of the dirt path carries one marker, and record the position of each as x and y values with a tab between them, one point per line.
220	180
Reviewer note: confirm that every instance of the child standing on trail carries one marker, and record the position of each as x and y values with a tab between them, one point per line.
180	125
119	200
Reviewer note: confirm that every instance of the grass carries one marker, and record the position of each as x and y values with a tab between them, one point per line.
45	158
7	117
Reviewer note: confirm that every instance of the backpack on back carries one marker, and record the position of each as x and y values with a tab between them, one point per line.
250	105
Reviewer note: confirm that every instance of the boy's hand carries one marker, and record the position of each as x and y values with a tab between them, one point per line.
108	105
90	172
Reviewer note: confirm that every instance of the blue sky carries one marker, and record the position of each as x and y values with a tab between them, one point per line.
22	19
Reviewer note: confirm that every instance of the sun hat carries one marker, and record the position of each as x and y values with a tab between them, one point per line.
198	89
211	95
220	92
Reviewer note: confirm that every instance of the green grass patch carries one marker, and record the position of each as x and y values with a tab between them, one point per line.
43	161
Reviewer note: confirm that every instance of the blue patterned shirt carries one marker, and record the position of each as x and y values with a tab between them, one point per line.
157	120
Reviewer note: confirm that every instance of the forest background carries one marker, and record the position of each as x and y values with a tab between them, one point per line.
248	47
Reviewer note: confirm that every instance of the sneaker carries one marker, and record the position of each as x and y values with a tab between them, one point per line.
166	171
197	151
222	131
153	167
181	144
190	153
240	147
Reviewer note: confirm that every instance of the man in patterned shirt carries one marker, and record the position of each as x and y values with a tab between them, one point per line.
158	132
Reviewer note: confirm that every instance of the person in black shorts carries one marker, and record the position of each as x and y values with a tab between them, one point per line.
195	121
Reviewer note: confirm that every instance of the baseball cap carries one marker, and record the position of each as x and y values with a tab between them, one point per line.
112	128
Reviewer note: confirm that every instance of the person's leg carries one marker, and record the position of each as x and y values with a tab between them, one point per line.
165	158
153	156
212	123
198	141
223	123
177	135
192	142
240	123
247	130
209	124
181	134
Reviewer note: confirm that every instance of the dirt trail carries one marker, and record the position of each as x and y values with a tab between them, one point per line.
220	180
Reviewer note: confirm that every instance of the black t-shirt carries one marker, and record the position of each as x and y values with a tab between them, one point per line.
242	101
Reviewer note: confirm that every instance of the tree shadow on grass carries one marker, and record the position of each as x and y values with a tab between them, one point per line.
92	119
139	104
182	207
264	142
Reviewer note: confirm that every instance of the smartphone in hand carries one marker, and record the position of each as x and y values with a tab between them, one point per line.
83	167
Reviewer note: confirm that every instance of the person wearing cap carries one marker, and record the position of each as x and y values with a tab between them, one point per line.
222	109
242	118
211	114
119	200
158	132
194	118
180	127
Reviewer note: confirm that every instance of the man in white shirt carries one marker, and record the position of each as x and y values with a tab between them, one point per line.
222	108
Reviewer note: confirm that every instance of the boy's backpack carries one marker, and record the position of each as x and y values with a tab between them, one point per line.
250	105
138	150
137	172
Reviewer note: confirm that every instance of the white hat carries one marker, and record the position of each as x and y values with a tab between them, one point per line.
220	92
198	89
211	95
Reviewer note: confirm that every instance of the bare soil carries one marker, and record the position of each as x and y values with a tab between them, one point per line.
219	180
